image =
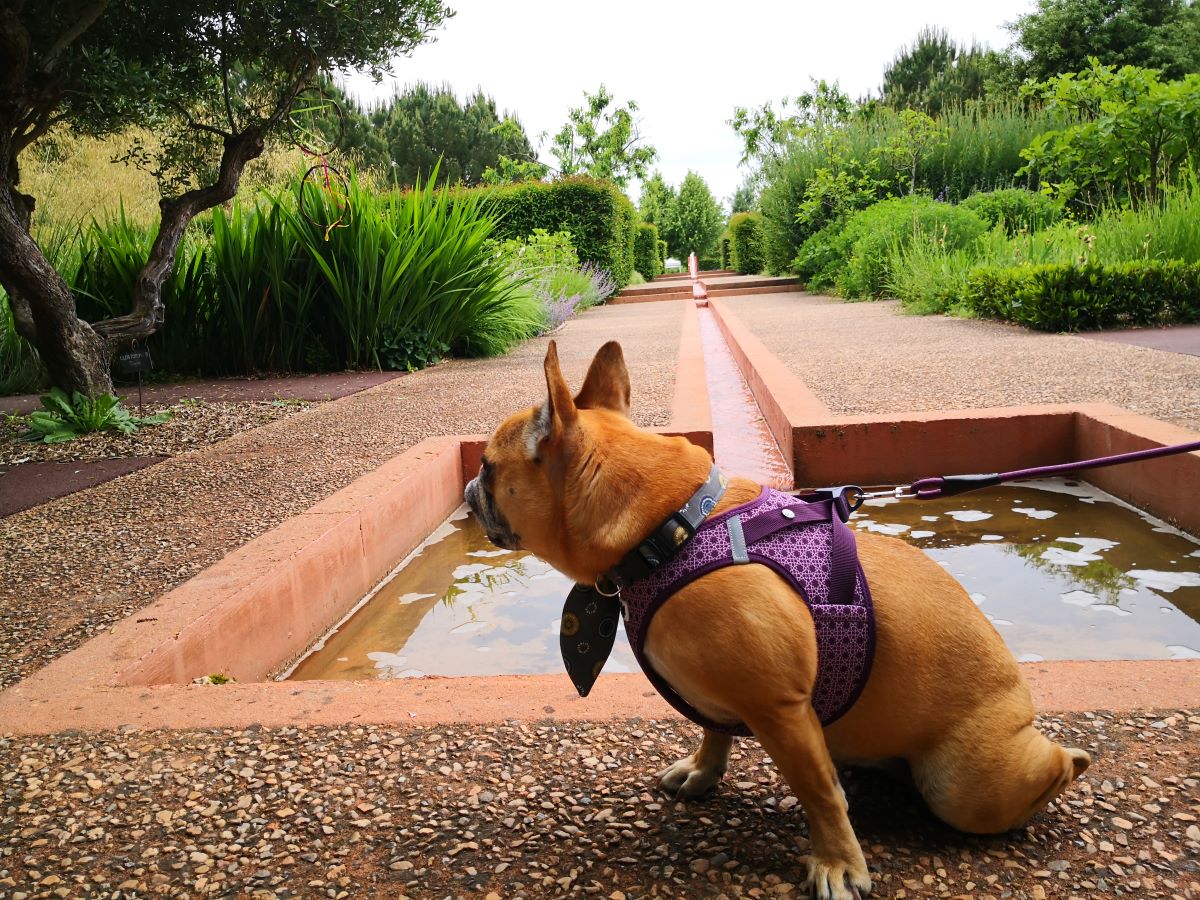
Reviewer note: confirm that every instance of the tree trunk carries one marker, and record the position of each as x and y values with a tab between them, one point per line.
44	307
77	355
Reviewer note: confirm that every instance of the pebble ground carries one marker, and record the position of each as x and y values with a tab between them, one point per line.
554	810
862	358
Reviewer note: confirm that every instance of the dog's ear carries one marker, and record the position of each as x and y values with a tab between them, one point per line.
558	414
607	382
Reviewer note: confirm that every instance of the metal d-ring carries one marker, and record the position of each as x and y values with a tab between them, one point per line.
615	592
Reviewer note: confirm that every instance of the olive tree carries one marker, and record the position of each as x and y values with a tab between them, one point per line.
213	79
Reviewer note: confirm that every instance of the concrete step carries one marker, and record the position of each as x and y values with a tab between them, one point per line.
717	284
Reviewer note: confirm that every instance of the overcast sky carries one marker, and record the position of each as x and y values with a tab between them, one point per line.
686	64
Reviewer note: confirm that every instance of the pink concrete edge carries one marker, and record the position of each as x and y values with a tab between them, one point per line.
421	702
782	397
146	647
691	414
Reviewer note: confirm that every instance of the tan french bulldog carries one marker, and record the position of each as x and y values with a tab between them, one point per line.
578	484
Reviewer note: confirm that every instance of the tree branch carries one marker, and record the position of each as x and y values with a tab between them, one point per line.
148	312
87	18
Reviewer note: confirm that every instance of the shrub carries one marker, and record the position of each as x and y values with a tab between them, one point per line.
855	258
726	249
645	250
1071	297
1019	209
599	217
662	256
745	230
412	277
66	418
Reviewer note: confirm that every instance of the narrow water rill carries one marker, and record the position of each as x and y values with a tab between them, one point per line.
742	442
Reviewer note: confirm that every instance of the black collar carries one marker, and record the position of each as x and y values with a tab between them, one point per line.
667	539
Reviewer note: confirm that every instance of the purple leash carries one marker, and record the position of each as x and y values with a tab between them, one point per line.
949	485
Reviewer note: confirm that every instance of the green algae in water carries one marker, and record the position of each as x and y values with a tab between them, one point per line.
1063	570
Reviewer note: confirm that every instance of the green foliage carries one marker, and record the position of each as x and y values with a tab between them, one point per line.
745	197
1060	36
936	73
645	250
66	418
599	218
928	277
693	222
662	255
1131	134
726	249
413	278
1071	297
1017	208
745	254
850	160
603	140
426	128
855	259
163	65
656	197
537	252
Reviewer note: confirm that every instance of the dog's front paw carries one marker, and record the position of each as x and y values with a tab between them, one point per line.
838	880
689	777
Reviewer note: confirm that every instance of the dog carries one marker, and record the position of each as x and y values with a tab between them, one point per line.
575	482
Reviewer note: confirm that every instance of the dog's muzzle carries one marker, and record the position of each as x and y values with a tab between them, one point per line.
498	531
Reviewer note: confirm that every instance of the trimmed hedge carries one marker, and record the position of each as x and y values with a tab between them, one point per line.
645	250
601	219
745	232
1017	208
1069	297
726	248
662	255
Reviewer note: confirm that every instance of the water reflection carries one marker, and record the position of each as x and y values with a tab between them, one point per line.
1063	571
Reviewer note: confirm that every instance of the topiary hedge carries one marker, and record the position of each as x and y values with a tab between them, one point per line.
662	256
601	219
745	232
645	250
1070	297
1017	208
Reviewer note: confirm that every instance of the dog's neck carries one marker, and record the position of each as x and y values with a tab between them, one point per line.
620	491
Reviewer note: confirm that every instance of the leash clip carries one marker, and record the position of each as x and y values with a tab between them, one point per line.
614	588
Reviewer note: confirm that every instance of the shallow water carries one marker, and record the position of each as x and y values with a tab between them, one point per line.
1063	570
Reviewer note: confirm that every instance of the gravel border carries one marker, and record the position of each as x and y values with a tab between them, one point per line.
863	358
554	810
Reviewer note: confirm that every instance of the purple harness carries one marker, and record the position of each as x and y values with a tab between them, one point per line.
809	545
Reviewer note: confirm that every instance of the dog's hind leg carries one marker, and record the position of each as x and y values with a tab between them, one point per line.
989	775
699	773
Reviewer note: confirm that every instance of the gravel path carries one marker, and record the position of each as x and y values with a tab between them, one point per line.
553	810
861	358
133	538
193	424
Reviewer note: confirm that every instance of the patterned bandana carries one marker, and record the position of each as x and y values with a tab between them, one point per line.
589	619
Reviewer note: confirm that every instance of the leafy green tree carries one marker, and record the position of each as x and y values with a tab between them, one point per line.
426	124
1133	133
656	197
603	140
213	79
693	222
745	197
1060	36
811	117
917	136
935	72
